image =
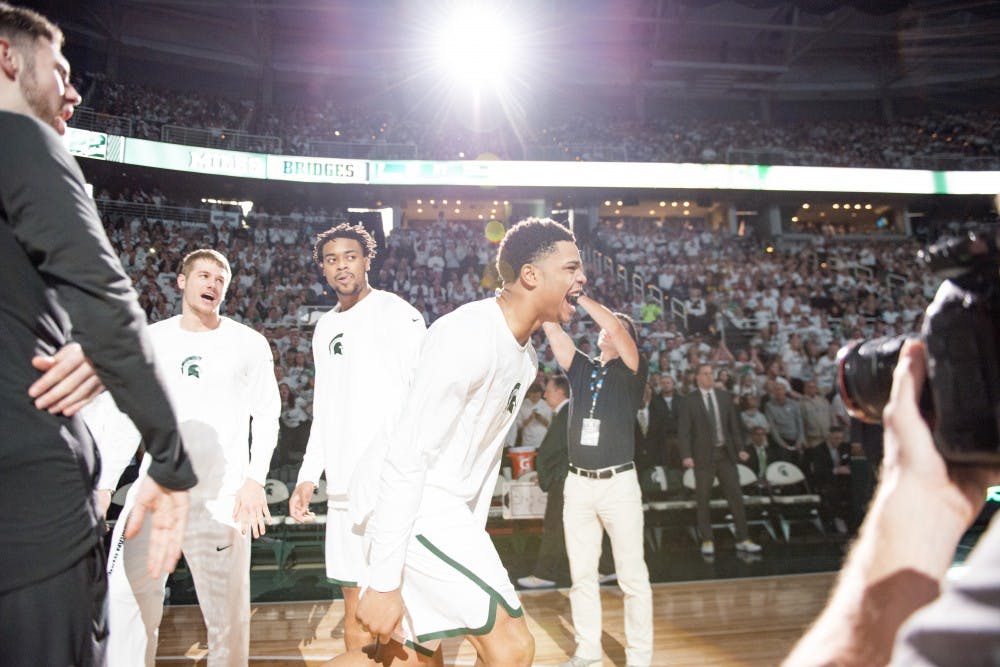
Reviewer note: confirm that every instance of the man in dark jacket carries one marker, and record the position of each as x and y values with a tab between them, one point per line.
552	465
64	284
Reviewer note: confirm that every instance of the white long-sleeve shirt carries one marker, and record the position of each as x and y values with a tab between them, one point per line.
217	380
444	455
364	359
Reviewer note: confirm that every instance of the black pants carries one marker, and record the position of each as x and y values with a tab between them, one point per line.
552	562
61	621
729	481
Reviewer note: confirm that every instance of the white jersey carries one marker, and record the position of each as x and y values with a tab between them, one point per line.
444	455
364	359
217	380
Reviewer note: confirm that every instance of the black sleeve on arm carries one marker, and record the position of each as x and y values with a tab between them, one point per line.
57	224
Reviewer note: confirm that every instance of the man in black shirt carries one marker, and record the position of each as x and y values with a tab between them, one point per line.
602	488
63	281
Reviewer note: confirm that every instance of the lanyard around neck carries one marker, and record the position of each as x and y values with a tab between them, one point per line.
596	382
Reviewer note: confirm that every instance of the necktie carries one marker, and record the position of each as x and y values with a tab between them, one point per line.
762	459
644	420
712	418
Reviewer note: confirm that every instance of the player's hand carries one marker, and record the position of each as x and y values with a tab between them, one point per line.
250	510
103	501
688	462
298	503
170	513
68	381
380	613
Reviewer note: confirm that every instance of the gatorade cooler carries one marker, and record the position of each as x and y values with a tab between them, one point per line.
523	460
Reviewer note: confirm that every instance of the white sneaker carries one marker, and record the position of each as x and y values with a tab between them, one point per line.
707	548
532	581
580	662
748	546
607	578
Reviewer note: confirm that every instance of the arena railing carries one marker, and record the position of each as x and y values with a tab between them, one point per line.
85	118
586	152
934	162
361	150
229	139
181	214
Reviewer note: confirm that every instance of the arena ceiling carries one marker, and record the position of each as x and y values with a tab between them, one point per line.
728	49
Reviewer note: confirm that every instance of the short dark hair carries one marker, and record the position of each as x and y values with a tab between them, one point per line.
526	242
345	231
20	24
561	382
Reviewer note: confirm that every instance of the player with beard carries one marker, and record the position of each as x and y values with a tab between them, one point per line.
65	279
433	570
219	375
364	351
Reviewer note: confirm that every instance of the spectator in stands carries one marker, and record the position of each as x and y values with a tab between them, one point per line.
761	453
786	422
829	465
817	415
652	426
534	418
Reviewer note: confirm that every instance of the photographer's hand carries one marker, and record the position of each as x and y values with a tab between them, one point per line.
907	541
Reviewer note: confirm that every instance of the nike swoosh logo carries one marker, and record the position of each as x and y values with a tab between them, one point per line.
223	548
415	319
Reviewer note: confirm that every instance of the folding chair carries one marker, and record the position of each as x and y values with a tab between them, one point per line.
791	497
755	502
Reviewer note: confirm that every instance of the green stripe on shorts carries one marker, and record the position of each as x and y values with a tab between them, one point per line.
494	596
342	583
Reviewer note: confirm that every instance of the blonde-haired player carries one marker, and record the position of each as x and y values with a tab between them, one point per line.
219	374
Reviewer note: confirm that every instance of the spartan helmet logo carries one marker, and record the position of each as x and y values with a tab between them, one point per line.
336	345
191	367
513	398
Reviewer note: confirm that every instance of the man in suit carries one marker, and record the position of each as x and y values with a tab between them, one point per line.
650	439
830	466
761	452
709	433
672	400
552	465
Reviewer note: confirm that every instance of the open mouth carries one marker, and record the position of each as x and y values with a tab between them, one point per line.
208	299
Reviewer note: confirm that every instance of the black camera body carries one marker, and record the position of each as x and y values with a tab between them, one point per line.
961	331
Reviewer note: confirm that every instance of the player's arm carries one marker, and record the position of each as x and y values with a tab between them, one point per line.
57	224
614	331
117	442
451	362
250	509
313	460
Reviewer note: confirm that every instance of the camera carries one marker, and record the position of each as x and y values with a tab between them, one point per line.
961	331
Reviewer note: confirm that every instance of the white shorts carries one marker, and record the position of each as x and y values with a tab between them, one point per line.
453	582
345	548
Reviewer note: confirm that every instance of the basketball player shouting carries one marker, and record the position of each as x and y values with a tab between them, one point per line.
433	570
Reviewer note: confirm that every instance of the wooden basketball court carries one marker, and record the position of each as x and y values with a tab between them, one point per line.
720	623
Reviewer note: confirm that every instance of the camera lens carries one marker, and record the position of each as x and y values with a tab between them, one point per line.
864	375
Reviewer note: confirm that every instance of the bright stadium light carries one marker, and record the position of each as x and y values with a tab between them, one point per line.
477	45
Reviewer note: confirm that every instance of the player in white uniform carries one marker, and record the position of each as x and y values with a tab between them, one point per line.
364	351
218	374
433	570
